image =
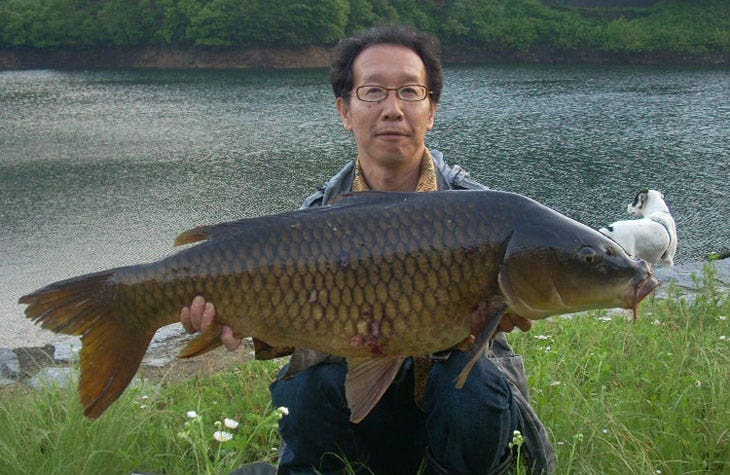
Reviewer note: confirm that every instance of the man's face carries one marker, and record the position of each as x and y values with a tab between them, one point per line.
392	131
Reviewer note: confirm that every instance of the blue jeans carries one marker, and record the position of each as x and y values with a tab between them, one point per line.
465	430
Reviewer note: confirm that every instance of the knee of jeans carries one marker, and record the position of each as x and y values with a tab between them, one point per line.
470	427
485	387
315	390
318	421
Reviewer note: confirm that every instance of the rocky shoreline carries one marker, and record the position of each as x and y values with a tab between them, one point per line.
197	57
55	363
163	58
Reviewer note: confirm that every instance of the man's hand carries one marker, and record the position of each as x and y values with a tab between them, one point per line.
198	317
510	321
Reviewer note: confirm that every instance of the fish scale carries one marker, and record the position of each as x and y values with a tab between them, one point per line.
375	277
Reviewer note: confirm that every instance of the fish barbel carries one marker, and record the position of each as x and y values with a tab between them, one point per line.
375	277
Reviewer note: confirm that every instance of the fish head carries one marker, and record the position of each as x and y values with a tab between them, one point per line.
562	266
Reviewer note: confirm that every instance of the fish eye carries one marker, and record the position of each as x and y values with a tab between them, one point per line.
588	255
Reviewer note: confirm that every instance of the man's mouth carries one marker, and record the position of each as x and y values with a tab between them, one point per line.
391	133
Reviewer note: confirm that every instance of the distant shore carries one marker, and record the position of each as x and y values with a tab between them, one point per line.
304	57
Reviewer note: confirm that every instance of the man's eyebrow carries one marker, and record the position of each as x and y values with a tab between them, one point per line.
404	79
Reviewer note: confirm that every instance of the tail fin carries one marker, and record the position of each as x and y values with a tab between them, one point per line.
112	345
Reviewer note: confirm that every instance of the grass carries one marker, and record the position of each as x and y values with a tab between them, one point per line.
643	398
649	397
147	429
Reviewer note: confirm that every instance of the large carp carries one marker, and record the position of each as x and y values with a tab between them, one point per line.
375	277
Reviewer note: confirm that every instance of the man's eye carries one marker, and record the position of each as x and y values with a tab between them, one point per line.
374	91
408	92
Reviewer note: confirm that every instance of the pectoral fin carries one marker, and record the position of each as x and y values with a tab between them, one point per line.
264	351
481	344
303	358
366	381
203	343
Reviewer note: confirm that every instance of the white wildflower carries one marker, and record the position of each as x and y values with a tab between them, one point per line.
542	337
517	439
722	318
284	411
605	319
723	338
556	383
222	436
192	414
605	431
230	423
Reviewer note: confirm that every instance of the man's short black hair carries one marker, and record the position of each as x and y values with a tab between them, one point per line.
423	44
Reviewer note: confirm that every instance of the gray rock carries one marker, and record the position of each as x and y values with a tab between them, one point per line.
682	275
67	351
165	345
53	377
158	362
9	364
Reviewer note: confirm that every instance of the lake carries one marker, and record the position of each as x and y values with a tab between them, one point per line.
104	168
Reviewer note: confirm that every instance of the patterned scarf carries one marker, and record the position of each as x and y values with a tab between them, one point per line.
426	181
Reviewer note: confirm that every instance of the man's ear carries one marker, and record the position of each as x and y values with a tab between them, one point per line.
432	117
344	109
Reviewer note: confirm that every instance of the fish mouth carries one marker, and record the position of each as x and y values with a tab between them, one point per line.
642	289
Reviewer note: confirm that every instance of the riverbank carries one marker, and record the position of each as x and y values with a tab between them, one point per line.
164	58
306	57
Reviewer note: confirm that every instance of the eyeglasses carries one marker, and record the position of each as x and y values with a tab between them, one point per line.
409	93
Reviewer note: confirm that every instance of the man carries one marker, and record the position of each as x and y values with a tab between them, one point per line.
387	84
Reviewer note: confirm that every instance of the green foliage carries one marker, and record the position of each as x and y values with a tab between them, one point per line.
221	22
307	21
275	22
47	23
126	23
676	26
361	16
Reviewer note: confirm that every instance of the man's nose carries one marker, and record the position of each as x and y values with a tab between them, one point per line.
392	106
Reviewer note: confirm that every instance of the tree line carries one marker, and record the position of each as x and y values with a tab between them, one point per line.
676	26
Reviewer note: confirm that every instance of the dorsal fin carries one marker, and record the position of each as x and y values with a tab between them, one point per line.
372	197
200	233
365	198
